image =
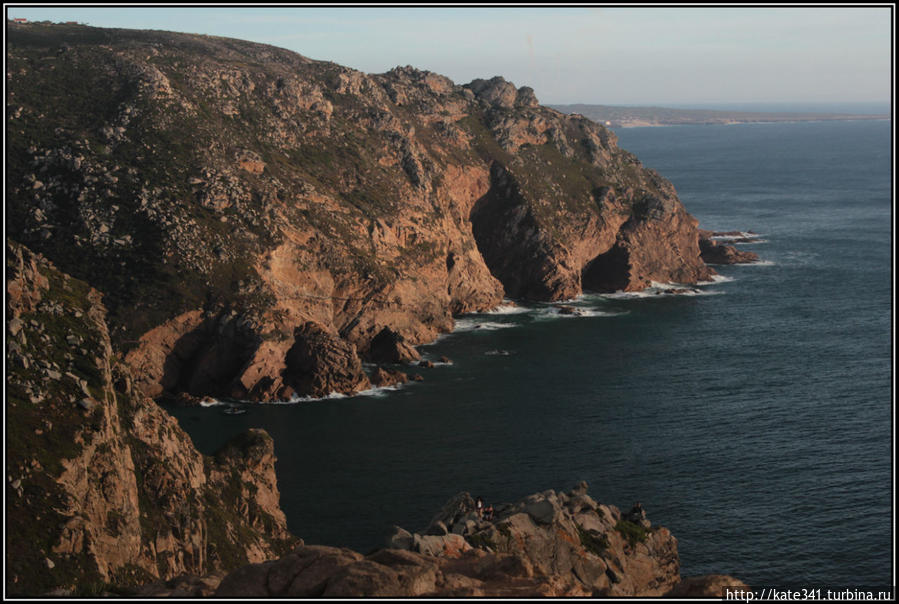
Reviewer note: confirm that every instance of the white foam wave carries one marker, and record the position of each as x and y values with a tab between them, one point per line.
663	290
373	392
379	391
294	400
741	235
757	263
716	279
478	325
508	309
665	285
576	313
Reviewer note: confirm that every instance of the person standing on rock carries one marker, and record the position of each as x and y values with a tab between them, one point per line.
479	507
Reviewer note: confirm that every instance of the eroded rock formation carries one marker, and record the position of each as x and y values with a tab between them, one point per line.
547	544
103	486
258	224
229	199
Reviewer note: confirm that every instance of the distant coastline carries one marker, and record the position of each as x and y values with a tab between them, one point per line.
633	117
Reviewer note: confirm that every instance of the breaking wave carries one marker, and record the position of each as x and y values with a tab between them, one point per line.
508	309
716	279
741	235
662	290
470	324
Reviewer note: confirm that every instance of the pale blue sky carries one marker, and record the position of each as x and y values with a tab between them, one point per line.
570	55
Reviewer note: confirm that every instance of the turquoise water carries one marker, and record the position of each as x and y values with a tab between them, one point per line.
753	420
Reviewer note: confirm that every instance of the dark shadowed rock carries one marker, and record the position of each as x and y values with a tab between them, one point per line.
572	547
715	252
120	495
320	363
496	92
390	347
385	377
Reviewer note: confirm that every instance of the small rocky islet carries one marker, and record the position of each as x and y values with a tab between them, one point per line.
190	217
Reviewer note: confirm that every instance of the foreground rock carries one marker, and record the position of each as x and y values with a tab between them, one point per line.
245	210
715	252
547	544
104	488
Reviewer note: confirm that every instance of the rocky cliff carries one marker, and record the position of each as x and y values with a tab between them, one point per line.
193	216
547	544
259	222
103	487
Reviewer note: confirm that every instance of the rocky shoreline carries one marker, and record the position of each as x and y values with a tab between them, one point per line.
548	544
192	217
372	209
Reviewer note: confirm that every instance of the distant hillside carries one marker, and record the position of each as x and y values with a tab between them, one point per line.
629	117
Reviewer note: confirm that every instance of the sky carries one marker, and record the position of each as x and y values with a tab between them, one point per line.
580	54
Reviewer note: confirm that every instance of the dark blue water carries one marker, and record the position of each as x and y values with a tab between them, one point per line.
754	420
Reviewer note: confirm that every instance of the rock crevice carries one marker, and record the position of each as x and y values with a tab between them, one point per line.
223	194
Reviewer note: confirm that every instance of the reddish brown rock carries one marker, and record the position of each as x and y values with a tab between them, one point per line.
714	252
113	491
391	347
320	363
351	211
548	544
384	377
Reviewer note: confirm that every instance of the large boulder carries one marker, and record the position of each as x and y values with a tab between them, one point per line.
320	362
391	347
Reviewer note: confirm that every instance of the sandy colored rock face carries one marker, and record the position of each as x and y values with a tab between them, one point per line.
236	192
256	223
108	488
548	544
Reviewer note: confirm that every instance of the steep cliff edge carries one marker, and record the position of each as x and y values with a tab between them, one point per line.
258	222
103	487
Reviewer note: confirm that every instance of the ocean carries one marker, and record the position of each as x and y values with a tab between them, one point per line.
753	418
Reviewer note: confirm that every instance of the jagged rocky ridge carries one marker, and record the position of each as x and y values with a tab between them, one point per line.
547	544
103	487
259	222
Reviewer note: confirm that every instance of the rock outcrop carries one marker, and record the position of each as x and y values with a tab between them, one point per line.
716	252
230	199
547	544
103	486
